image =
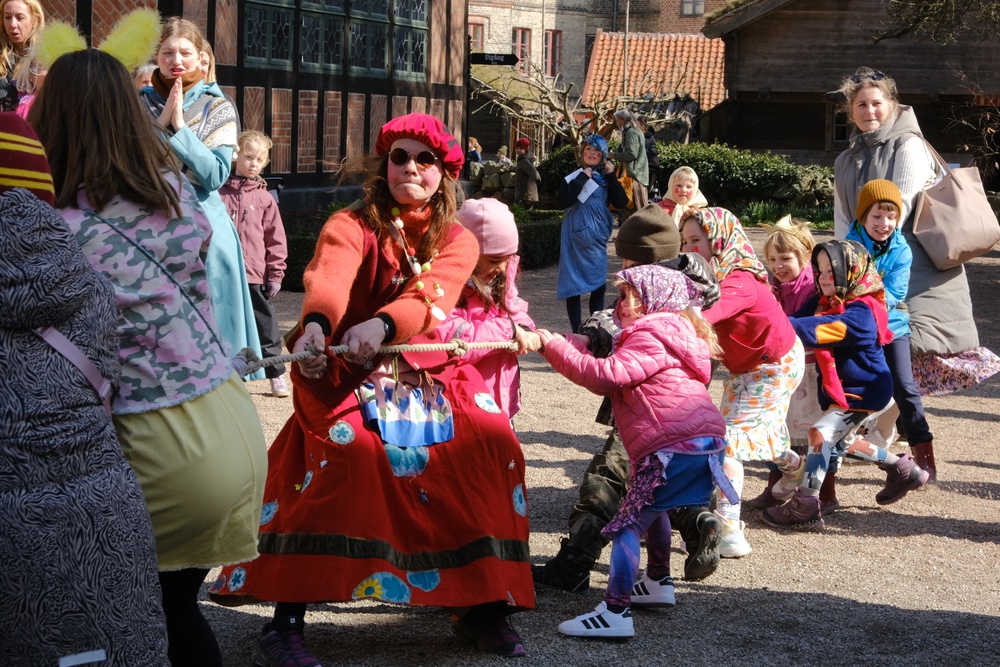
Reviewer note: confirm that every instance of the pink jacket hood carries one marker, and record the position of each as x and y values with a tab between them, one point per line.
656	378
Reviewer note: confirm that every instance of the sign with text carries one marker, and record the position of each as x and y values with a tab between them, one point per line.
493	59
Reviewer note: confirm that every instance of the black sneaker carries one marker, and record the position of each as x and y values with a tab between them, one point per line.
701	531
568	571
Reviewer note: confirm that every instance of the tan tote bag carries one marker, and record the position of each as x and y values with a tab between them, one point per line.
953	219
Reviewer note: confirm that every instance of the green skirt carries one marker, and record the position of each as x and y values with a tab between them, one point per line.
202	466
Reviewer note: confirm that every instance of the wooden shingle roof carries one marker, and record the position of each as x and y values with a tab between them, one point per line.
660	65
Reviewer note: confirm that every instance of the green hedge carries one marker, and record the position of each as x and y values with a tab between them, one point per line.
301	247
728	176
539	242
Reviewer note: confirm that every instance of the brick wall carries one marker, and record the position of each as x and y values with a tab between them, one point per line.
399	104
226	28
195	11
331	130
671	20
377	111
253	108
281	130
355	125
60	10
306	156
105	14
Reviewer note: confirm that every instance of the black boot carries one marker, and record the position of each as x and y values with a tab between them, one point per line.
700	529
568	571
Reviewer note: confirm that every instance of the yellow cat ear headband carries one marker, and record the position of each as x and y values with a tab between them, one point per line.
132	41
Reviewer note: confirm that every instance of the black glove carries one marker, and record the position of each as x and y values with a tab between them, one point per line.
600	328
701	273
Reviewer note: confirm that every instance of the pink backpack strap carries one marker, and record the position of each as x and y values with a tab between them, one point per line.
75	356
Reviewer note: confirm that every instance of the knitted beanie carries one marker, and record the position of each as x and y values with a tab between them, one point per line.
875	191
492	223
22	159
522	144
429	131
648	235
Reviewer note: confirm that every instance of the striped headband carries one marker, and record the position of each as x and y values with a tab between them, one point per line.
22	159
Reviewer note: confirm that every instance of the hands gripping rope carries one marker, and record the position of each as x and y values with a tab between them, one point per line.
246	360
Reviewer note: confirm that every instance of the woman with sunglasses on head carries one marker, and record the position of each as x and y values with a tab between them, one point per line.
398	478
943	344
201	126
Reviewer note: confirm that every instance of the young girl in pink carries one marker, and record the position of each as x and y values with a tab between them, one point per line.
673	433
760	349
788	249
489	308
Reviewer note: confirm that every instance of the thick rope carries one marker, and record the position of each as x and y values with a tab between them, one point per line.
247	361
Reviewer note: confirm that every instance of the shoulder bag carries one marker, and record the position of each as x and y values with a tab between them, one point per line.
952	219
626	183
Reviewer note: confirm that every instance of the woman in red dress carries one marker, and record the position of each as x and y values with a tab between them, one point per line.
397	478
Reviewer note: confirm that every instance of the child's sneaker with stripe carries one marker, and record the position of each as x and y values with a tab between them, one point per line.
653	592
601	623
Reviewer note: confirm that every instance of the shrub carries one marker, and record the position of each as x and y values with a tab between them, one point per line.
560	163
301	247
539	241
767	212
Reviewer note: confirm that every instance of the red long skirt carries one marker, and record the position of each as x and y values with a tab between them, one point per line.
347	517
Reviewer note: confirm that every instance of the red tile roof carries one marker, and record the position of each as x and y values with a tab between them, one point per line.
659	64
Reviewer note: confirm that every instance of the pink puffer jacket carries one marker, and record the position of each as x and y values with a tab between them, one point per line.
656	378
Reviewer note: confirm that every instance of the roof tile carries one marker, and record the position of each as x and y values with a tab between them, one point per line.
659	64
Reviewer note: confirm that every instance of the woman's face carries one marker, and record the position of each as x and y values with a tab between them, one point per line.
683	191
176	57
18	22
694	239
826	283
410	183
143	80
204	63
870	109
591	156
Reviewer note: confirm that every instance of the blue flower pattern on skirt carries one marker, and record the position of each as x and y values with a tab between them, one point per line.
268	511
342	433
520	502
237	578
486	402
407	462
383	586
425	581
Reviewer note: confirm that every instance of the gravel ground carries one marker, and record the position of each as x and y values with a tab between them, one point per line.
914	583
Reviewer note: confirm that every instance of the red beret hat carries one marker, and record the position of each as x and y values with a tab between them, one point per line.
427	130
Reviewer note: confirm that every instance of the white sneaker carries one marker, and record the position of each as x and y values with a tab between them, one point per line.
653	593
279	388
600	623
733	543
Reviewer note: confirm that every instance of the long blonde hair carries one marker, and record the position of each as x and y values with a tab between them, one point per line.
8	52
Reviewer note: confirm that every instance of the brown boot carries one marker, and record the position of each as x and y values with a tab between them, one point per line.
923	454
902	477
765	499
828	502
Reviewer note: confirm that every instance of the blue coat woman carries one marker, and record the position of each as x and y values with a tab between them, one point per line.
201	126
587	225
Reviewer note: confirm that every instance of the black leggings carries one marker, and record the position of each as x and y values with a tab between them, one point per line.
573	307
191	642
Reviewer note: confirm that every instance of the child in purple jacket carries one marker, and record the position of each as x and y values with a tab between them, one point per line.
671	429
258	222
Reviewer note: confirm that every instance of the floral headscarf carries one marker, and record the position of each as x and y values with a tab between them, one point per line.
596	141
730	246
856	279
660	289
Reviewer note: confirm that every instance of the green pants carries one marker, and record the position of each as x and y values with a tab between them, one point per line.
601	493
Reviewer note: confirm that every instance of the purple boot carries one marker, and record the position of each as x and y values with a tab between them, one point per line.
902	477
800	512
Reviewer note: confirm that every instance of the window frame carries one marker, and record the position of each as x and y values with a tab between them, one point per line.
692	8
481	45
521	48
553	64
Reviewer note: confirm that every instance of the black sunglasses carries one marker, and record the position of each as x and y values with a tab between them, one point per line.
424	159
874	76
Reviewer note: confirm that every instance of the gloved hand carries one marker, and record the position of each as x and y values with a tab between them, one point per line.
601	329
271	289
